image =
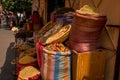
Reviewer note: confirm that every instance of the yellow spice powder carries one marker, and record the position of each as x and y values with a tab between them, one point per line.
26	59
86	9
28	72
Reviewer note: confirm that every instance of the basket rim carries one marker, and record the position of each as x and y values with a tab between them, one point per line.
57	52
97	15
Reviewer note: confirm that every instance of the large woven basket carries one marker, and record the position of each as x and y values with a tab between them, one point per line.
86	28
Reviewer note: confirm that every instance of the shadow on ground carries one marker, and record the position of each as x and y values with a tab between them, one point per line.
8	69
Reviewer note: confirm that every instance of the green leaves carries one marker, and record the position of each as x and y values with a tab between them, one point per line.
17	5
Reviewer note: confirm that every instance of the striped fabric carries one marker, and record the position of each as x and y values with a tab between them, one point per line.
56	65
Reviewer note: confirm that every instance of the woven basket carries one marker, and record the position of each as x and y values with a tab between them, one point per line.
86	29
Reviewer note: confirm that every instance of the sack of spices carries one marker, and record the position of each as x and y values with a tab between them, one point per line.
26	61
68	17
56	61
39	47
29	73
86	28
55	27
59	36
47	30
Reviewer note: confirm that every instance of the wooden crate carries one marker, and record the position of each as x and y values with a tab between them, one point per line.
88	65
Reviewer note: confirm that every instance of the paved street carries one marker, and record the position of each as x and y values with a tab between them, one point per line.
7	54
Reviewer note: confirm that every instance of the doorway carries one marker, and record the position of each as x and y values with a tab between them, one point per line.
52	5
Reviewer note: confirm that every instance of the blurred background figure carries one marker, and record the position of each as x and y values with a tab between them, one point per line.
35	20
11	19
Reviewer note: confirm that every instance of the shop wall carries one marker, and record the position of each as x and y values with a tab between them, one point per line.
75	4
107	7
109	37
108	41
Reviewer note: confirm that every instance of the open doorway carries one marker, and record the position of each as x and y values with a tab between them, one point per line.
52	5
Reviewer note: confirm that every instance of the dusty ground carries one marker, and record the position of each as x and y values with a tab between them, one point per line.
7	54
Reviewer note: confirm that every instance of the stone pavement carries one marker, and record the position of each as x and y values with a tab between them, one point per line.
7	54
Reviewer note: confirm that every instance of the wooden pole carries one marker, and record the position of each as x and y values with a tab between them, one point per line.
117	62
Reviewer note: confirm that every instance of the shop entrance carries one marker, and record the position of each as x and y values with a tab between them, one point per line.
52	5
